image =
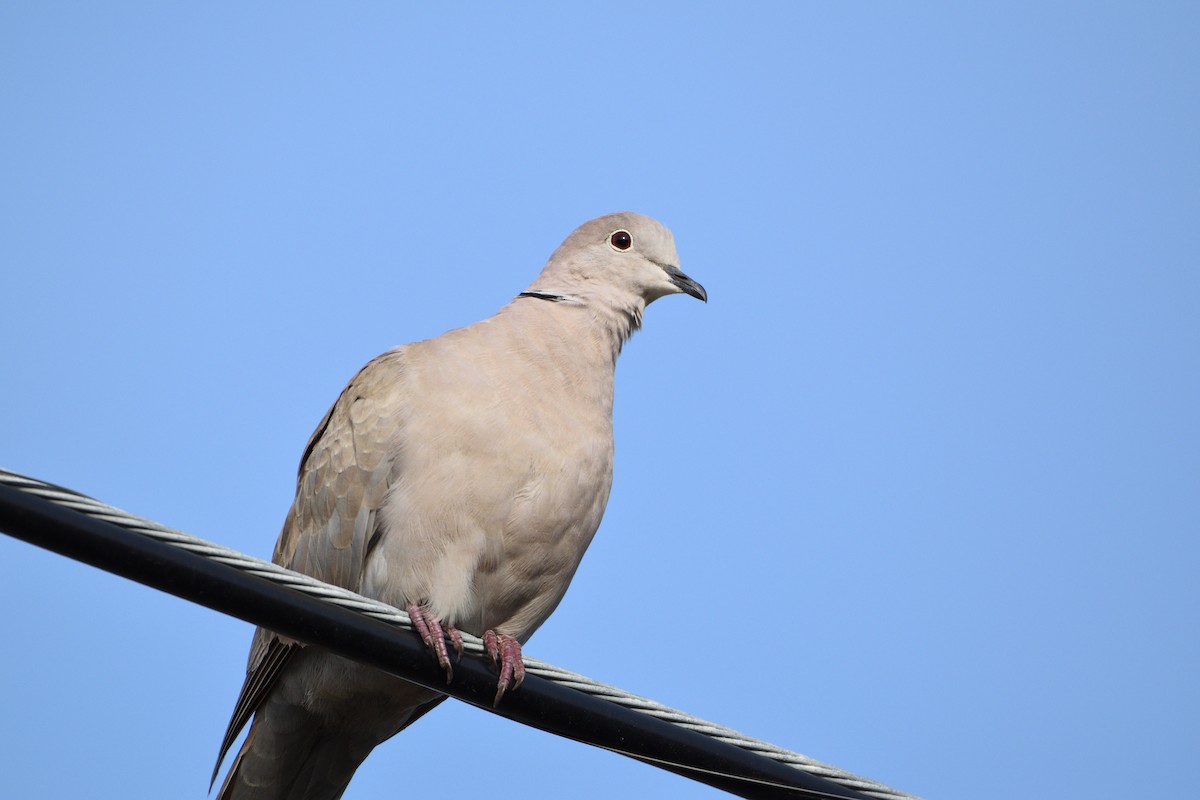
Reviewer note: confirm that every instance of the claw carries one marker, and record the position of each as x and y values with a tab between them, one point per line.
434	633
505	653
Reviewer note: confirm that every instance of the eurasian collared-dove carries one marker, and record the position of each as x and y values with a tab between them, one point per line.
460	478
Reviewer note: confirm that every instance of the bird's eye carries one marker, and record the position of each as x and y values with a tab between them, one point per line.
621	240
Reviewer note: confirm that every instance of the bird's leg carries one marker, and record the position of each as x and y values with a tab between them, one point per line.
434	633
505	652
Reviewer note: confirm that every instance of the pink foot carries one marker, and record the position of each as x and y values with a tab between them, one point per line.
434	634
505	652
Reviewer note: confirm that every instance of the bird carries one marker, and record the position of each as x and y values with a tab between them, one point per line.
460	478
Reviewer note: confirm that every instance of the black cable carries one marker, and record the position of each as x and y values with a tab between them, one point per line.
540	703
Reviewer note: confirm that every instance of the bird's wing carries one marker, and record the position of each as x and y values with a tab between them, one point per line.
345	472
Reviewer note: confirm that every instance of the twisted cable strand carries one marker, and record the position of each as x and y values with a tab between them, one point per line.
344	598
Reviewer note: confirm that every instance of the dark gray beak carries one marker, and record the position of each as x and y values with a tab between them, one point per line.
685	284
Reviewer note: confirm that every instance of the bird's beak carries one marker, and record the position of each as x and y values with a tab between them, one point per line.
684	283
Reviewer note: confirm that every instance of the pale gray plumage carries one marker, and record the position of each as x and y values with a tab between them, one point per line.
465	474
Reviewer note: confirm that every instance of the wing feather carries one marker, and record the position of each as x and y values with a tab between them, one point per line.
345	473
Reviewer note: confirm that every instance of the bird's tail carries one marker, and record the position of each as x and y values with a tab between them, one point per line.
289	754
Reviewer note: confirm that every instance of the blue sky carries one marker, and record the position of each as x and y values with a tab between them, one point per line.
917	493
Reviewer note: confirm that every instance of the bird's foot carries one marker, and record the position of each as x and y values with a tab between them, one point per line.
505	653
434	633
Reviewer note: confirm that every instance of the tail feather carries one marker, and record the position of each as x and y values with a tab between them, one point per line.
296	761
305	743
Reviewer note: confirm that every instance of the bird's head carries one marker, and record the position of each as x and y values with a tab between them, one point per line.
618	258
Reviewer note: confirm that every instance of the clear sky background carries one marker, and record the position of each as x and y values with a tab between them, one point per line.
917	493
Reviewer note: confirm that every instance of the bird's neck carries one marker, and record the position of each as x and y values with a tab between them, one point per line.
595	328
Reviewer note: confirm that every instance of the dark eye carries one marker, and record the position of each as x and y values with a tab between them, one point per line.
621	240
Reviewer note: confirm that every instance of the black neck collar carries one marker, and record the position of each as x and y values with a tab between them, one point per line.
553	298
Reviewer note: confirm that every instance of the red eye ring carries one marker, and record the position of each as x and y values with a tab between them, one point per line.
621	240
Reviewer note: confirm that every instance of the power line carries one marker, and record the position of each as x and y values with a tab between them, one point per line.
300	607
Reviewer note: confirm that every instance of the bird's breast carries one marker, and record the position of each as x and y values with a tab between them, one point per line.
498	493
